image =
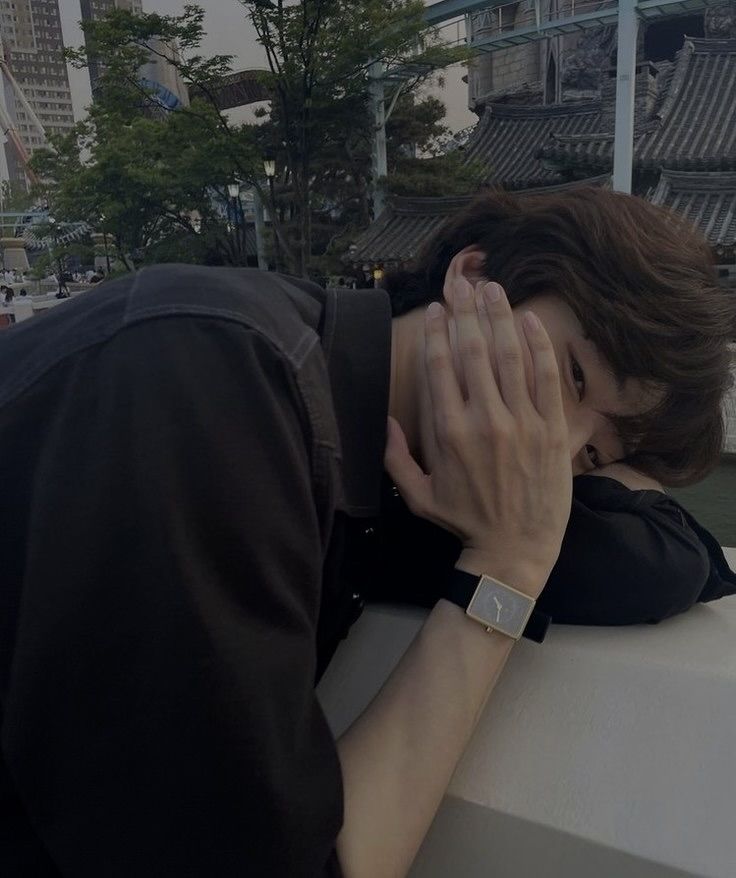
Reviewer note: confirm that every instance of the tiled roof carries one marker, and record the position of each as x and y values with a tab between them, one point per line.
708	199
687	125
508	139
693	127
407	223
403	227
697	129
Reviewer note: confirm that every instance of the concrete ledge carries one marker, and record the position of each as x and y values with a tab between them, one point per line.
606	751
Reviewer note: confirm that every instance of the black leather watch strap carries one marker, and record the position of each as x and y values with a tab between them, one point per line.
460	588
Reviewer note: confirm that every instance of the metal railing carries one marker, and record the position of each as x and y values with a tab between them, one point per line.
515	16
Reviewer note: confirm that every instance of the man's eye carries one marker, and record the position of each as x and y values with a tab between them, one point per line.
578	376
593	456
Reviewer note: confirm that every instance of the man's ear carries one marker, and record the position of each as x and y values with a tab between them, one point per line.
467	262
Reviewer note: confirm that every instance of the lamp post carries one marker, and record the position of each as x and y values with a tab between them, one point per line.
104	242
52	258
56	260
269	166
52	223
233	190
259	229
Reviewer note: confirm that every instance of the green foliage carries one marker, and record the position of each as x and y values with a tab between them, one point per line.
140	173
132	169
435	177
15	197
320	54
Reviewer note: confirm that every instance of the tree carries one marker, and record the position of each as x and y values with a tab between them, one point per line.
319	54
136	171
418	165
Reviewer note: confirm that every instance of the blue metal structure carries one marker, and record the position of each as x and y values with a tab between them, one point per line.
446	10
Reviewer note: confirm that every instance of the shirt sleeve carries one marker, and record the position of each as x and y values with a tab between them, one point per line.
627	557
161	717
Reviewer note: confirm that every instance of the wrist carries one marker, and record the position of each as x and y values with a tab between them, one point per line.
521	575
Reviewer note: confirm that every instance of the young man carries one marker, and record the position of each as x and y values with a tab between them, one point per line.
193	470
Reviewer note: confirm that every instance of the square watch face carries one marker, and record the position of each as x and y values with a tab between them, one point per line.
501	607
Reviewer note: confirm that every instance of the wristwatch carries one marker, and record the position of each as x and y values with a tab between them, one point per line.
498	607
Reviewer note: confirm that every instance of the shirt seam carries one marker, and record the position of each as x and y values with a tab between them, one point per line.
40	366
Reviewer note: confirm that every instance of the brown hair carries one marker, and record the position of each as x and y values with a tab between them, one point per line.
642	282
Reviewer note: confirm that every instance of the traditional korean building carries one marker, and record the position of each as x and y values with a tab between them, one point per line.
684	141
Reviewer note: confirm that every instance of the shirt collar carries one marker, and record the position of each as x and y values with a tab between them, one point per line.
356	338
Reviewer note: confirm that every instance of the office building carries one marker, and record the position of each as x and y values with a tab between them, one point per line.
158	74
95	9
34	48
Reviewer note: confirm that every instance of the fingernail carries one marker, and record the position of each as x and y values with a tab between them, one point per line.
463	290
493	291
434	310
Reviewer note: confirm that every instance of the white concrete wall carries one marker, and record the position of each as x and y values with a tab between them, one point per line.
603	753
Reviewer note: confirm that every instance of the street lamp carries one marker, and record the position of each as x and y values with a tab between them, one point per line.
269	166
104	241
55	258
233	190
52	259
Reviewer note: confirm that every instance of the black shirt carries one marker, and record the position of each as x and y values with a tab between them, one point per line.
628	557
174	498
191	509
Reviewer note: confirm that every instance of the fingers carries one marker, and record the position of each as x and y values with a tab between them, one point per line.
507	348
473	347
444	389
466	260
547	388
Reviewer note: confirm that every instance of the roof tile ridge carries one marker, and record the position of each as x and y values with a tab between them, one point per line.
569	108
699	180
479	130
404	205
581	138
677	80
704	45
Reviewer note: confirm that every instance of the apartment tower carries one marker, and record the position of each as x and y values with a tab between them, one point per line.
158	73
34	48
94	9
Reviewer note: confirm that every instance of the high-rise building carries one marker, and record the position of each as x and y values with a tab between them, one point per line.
158	74
31	34
94	9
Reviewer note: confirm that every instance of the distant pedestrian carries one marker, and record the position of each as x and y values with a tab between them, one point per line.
63	288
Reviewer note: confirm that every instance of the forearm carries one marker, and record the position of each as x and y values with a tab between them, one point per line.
399	756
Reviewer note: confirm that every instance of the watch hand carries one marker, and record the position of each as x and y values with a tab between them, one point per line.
499	606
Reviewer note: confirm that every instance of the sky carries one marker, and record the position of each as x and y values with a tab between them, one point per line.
230	33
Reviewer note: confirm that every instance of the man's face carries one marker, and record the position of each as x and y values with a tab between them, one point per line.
590	391
589	388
